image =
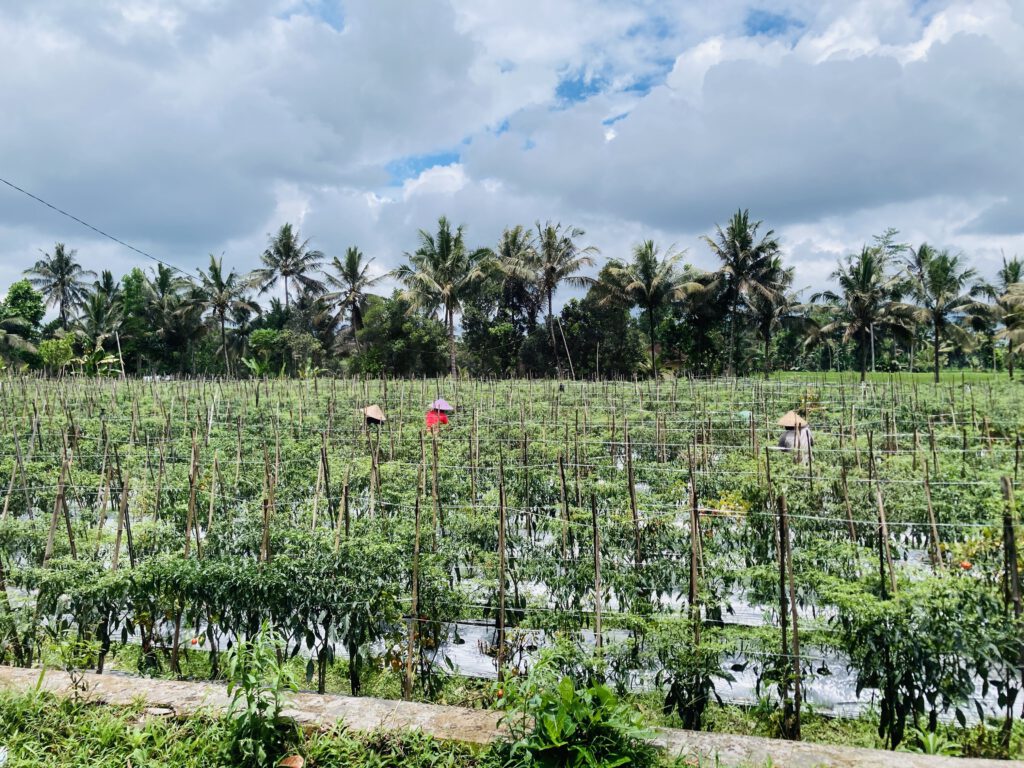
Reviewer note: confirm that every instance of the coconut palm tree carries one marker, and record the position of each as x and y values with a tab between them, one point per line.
288	258
440	274
99	320
943	286
222	294
648	282
61	280
516	267
1013	322
108	286
778	308
1003	308
746	270
558	260
867	300
174	311
352	280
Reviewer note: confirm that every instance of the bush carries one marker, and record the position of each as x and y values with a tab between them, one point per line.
555	723
258	684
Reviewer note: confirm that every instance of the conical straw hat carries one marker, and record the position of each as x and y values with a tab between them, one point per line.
374	412
441	405
792	419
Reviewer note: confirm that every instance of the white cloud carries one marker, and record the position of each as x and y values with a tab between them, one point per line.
198	126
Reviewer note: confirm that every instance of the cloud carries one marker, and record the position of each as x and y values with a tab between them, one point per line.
195	126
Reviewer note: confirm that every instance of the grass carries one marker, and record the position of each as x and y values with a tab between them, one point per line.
42	730
879	377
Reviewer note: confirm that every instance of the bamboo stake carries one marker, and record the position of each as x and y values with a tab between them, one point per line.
121	512
787	596
415	606
57	504
501	568
598	592
936	545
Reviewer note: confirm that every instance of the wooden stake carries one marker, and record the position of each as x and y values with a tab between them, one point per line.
598	592
415	606
58	503
501	568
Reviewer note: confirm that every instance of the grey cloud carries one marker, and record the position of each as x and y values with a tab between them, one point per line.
795	141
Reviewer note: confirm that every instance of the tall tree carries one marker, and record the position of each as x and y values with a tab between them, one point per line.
517	263
24	301
746	270
1010	304
1013	322
559	259
1002	308
867	299
99	320
175	315
108	286
648	282
61	280
778	308
222	294
943	287
288	258
440	274
352	281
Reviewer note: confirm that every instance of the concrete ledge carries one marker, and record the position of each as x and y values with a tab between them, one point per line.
473	726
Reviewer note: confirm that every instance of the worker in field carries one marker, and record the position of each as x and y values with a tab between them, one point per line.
797	436
373	415
438	414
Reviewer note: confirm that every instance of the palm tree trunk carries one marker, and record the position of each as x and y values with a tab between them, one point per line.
554	343
1009	359
935	347
872	347
286	293
863	359
224	346
654	359
451	341
767	354
732	339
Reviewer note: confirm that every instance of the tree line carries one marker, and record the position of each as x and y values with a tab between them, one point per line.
891	307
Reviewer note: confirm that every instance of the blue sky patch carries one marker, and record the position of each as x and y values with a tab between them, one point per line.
615	119
643	83
578	88
761	22
410	167
328	11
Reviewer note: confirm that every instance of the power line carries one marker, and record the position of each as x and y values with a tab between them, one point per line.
94	229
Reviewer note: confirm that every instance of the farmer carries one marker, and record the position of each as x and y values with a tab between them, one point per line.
374	415
797	436
438	414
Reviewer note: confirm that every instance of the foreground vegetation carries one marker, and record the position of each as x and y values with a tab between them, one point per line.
646	534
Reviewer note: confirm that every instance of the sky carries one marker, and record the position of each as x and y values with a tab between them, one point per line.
196	127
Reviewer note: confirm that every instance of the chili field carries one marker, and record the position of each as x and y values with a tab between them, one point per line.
646	533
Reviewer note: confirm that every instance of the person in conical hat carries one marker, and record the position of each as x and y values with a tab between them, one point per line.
797	436
437	416
374	415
